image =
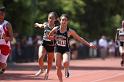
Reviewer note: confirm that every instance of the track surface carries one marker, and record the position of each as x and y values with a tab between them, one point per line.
85	70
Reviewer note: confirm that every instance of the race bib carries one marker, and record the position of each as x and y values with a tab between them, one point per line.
61	42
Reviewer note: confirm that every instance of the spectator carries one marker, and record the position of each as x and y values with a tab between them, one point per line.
111	50
103	45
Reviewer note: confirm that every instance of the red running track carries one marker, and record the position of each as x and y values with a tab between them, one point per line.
88	70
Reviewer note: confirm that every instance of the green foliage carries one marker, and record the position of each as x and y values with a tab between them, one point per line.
101	14
21	14
90	18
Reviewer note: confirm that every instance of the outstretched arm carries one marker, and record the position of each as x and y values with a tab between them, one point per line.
52	32
77	37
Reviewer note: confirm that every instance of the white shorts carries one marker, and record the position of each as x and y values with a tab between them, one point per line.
3	58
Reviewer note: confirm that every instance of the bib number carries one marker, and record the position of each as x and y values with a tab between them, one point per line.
61	42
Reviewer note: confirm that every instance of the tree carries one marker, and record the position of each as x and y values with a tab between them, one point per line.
90	18
21	13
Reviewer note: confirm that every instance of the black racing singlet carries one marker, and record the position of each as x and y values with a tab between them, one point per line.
47	41
62	41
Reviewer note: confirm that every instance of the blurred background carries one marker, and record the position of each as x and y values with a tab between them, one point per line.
91	19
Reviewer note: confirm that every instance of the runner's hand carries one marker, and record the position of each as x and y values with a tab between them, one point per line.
92	46
36	25
5	37
51	37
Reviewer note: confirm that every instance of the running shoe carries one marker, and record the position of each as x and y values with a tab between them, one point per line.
2	71
39	72
122	63
46	77
67	73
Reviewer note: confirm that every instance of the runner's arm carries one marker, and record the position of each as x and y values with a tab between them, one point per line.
80	39
52	32
10	31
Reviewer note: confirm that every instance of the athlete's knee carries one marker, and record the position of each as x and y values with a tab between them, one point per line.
41	56
3	65
66	64
58	67
40	60
50	64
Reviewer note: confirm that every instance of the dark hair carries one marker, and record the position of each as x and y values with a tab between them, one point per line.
54	14
2	8
65	15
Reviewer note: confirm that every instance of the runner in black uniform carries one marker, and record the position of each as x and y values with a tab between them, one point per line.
47	46
120	40
62	41
62	45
